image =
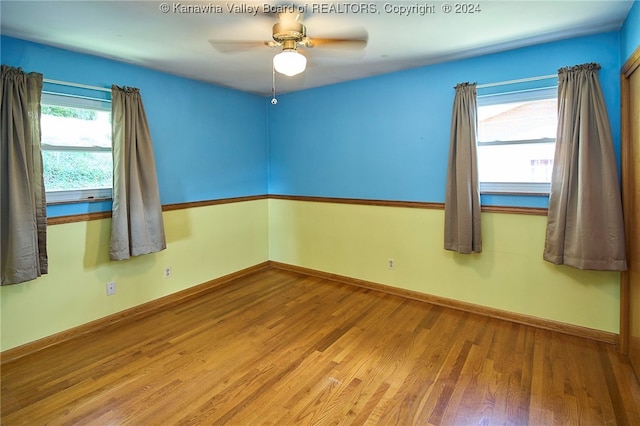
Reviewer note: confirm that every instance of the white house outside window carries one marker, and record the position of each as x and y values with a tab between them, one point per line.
516	141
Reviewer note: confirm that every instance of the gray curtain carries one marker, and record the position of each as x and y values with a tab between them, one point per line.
23	214
462	198
584	226
136	227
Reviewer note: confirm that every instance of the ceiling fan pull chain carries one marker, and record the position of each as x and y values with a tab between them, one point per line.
274	101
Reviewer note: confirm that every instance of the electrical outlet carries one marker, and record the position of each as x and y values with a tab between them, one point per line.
111	288
391	264
167	272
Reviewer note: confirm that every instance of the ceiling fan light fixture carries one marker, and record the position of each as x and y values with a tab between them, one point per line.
289	62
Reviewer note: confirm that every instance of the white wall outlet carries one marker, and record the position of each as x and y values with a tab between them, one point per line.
391	264
111	288
167	272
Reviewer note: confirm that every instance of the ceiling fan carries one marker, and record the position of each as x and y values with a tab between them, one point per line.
288	34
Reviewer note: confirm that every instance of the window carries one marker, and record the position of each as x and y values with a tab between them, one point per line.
516	141
76	148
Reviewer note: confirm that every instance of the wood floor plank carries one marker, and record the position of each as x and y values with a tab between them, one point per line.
282	348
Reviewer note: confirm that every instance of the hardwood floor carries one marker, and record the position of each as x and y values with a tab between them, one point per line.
282	348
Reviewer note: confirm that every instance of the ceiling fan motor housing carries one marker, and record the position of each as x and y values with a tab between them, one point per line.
289	31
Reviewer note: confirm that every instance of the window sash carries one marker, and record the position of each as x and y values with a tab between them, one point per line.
518	96
63	148
75	101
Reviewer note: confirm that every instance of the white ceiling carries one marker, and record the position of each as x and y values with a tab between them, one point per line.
138	32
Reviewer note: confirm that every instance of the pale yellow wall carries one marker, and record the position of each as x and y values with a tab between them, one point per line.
509	274
202	244
355	241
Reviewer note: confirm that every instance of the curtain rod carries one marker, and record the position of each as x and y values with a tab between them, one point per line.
520	80
82	86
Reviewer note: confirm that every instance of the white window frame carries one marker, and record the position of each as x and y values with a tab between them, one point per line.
530	188
85	194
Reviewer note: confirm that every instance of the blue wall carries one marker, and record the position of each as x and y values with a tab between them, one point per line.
630	33
384	137
209	142
387	137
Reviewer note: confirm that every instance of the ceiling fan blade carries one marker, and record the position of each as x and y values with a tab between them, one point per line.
354	42
236	46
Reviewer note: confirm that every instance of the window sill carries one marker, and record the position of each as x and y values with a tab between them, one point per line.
78	196
533	194
515	188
